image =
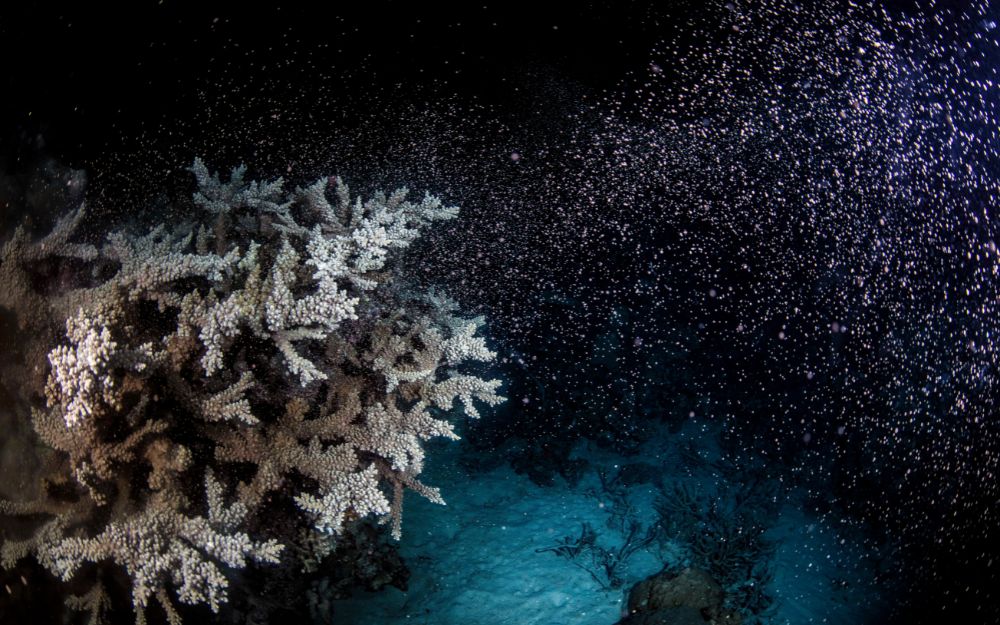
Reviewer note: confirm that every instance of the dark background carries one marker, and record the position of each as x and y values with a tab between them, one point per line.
97	79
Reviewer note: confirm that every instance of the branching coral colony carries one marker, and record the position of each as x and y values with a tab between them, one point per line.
264	352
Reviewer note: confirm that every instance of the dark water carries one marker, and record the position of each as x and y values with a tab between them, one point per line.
737	263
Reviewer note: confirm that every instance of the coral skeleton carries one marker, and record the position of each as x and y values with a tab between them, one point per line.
265	352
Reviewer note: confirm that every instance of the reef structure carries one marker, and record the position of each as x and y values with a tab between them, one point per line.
188	377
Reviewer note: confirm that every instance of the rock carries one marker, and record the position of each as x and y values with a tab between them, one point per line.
690	597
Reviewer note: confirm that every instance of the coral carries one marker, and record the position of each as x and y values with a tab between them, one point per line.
95	601
81	382
725	533
608	566
159	544
264	354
